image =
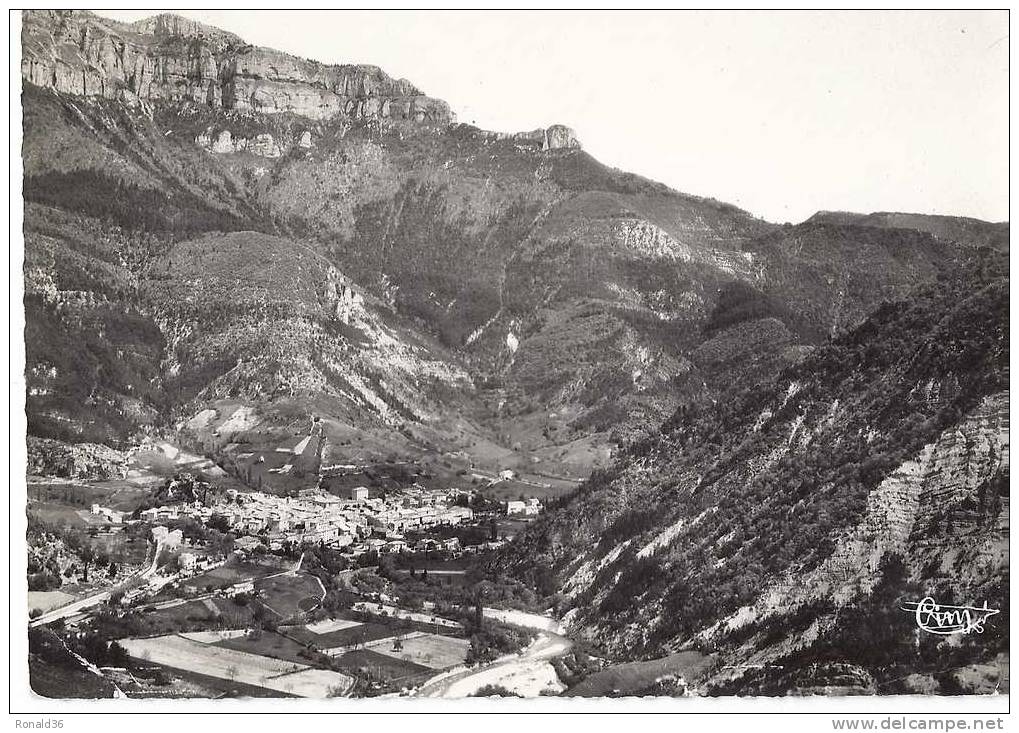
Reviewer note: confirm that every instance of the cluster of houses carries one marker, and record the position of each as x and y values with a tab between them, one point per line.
529	508
110	515
353	521
319	517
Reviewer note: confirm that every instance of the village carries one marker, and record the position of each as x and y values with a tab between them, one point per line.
356	524
439	525
316	591
280	570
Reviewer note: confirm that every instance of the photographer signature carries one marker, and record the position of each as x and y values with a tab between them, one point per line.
945	619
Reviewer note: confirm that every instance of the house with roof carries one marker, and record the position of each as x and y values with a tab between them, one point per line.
247	544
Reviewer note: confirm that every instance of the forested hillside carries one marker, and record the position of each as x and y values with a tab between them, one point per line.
874	468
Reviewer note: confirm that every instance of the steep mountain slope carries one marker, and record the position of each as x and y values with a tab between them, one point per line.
582	303
92	353
831	276
258	317
781	528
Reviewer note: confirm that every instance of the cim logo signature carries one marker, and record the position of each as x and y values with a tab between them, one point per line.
946	620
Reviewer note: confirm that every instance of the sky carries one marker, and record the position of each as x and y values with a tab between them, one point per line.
780	113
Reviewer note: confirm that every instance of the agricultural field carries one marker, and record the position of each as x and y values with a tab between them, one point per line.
235	571
44	600
331	624
59	515
267	644
392	669
116	494
512	490
428	650
195	614
385	611
348	635
289	595
181	684
631	678
236	666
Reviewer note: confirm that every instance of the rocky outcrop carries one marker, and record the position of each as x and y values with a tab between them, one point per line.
263	144
76	52
556	137
559	137
172	58
74	460
341	297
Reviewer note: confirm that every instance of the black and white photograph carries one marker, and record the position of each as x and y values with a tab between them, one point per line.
520	360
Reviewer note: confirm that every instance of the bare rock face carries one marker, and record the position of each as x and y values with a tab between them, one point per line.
172	58
263	144
75	460
558	137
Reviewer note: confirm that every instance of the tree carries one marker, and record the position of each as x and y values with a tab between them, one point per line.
88	556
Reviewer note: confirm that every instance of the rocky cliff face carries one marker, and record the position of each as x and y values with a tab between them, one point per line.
171	58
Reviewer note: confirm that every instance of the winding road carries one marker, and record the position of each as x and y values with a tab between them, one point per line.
96	599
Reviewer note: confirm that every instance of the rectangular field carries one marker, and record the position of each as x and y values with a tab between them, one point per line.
331	624
428	650
356	634
267	644
230	664
395	670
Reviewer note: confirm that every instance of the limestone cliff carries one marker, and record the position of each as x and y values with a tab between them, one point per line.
172	58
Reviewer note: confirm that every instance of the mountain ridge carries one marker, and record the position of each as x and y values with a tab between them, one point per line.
232	249
964	230
522	254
